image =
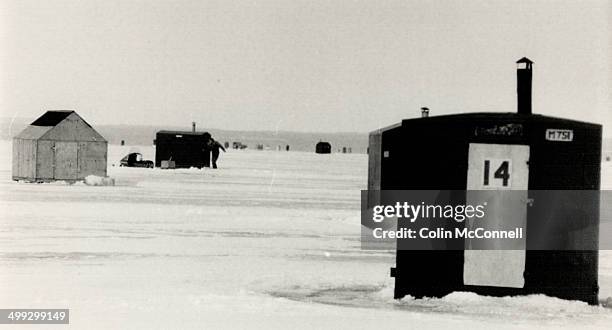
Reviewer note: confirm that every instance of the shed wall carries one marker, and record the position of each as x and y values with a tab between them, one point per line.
66	154
61	160
24	159
73	128
45	160
374	149
374	161
91	159
15	159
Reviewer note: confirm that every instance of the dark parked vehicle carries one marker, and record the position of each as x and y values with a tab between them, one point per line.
135	160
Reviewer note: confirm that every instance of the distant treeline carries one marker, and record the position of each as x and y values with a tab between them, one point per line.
144	135
298	141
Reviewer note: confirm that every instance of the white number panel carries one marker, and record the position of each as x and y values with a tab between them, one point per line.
497	168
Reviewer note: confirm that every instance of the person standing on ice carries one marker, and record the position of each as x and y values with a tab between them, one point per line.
214	146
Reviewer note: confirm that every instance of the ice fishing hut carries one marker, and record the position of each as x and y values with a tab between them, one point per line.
323	148
499	151
59	145
185	148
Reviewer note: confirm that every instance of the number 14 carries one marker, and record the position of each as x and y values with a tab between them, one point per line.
502	172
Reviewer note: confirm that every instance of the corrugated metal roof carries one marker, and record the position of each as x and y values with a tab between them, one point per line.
52	118
33	132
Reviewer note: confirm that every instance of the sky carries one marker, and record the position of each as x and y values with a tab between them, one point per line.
314	66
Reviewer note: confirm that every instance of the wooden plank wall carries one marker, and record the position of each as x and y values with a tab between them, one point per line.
15	159
374	165
45	160
374	159
24	159
73	129
92	159
66	160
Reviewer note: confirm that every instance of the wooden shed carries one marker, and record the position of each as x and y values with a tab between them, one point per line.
59	145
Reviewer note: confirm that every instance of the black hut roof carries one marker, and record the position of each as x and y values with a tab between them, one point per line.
52	118
524	60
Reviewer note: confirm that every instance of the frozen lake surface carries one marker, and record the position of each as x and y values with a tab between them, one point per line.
269	240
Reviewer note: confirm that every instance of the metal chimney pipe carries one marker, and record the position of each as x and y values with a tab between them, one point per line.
523	85
424	112
193	126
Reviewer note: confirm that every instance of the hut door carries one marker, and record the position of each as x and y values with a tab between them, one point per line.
44	159
65	160
498	176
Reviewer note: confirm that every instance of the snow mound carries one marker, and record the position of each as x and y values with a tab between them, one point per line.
531	307
469	305
94	180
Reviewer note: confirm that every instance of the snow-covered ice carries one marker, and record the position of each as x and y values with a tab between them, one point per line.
269	240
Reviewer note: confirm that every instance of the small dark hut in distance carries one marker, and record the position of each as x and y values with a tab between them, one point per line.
185	148
59	145
323	148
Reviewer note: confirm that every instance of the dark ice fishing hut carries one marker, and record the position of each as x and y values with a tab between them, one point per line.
323	148
184	148
499	151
